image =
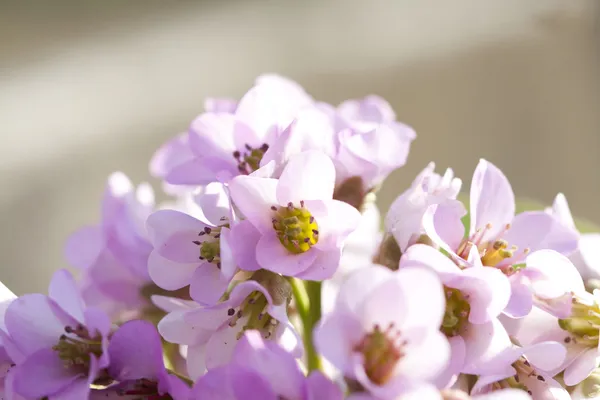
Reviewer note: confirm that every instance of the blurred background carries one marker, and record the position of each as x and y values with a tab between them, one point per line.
87	88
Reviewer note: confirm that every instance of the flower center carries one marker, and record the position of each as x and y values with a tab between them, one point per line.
249	159
210	244
492	252
253	313
457	312
381	351
75	348
296	228
583	324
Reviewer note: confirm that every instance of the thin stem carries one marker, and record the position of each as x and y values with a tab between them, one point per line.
307	297
313	289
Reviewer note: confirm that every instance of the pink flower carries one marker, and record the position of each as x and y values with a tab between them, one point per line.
227	144
474	299
404	218
293	226
212	332
501	239
384	331
371	142
526	368
63	343
189	251
579	333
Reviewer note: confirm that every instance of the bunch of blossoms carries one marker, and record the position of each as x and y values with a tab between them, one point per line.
266	275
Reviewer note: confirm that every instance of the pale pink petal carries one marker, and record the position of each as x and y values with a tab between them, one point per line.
561	210
170	275
84	246
325	265
31	322
214	202
423	297
359	286
492	200
546	356
212	133
309	175
207	284
484	343
163	224
427	256
589	244
384	306
173	328
196	361
254	197
427	354
489	292
521	299
340	220
335	338
536	230
505	394
42	374
582	367
455	363
63	290
272	255
557	270
244	239
199	171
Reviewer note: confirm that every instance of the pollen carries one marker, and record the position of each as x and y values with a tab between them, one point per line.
210	244
583	324
75	347
296	228
382	350
249	159
253	313
457	312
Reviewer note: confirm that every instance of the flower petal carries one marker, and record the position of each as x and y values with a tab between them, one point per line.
423	297
275	364
538	230
254	197
170	275
484	344
319	387
489	291
31	322
272	255
521	299
84	246
582	367
339	221
63	290
492	200
309	175
207	284
557	269
325	265
423	344
135	351
359	285
43	374
335	338
244	239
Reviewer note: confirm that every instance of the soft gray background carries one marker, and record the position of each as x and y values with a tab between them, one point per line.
91	87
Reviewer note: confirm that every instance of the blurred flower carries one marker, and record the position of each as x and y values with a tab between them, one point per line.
136	362
262	370
404	218
384	331
63	342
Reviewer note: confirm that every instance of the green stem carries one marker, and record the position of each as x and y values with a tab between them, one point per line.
307	297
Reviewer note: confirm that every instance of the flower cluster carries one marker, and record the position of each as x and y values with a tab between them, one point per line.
267	274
